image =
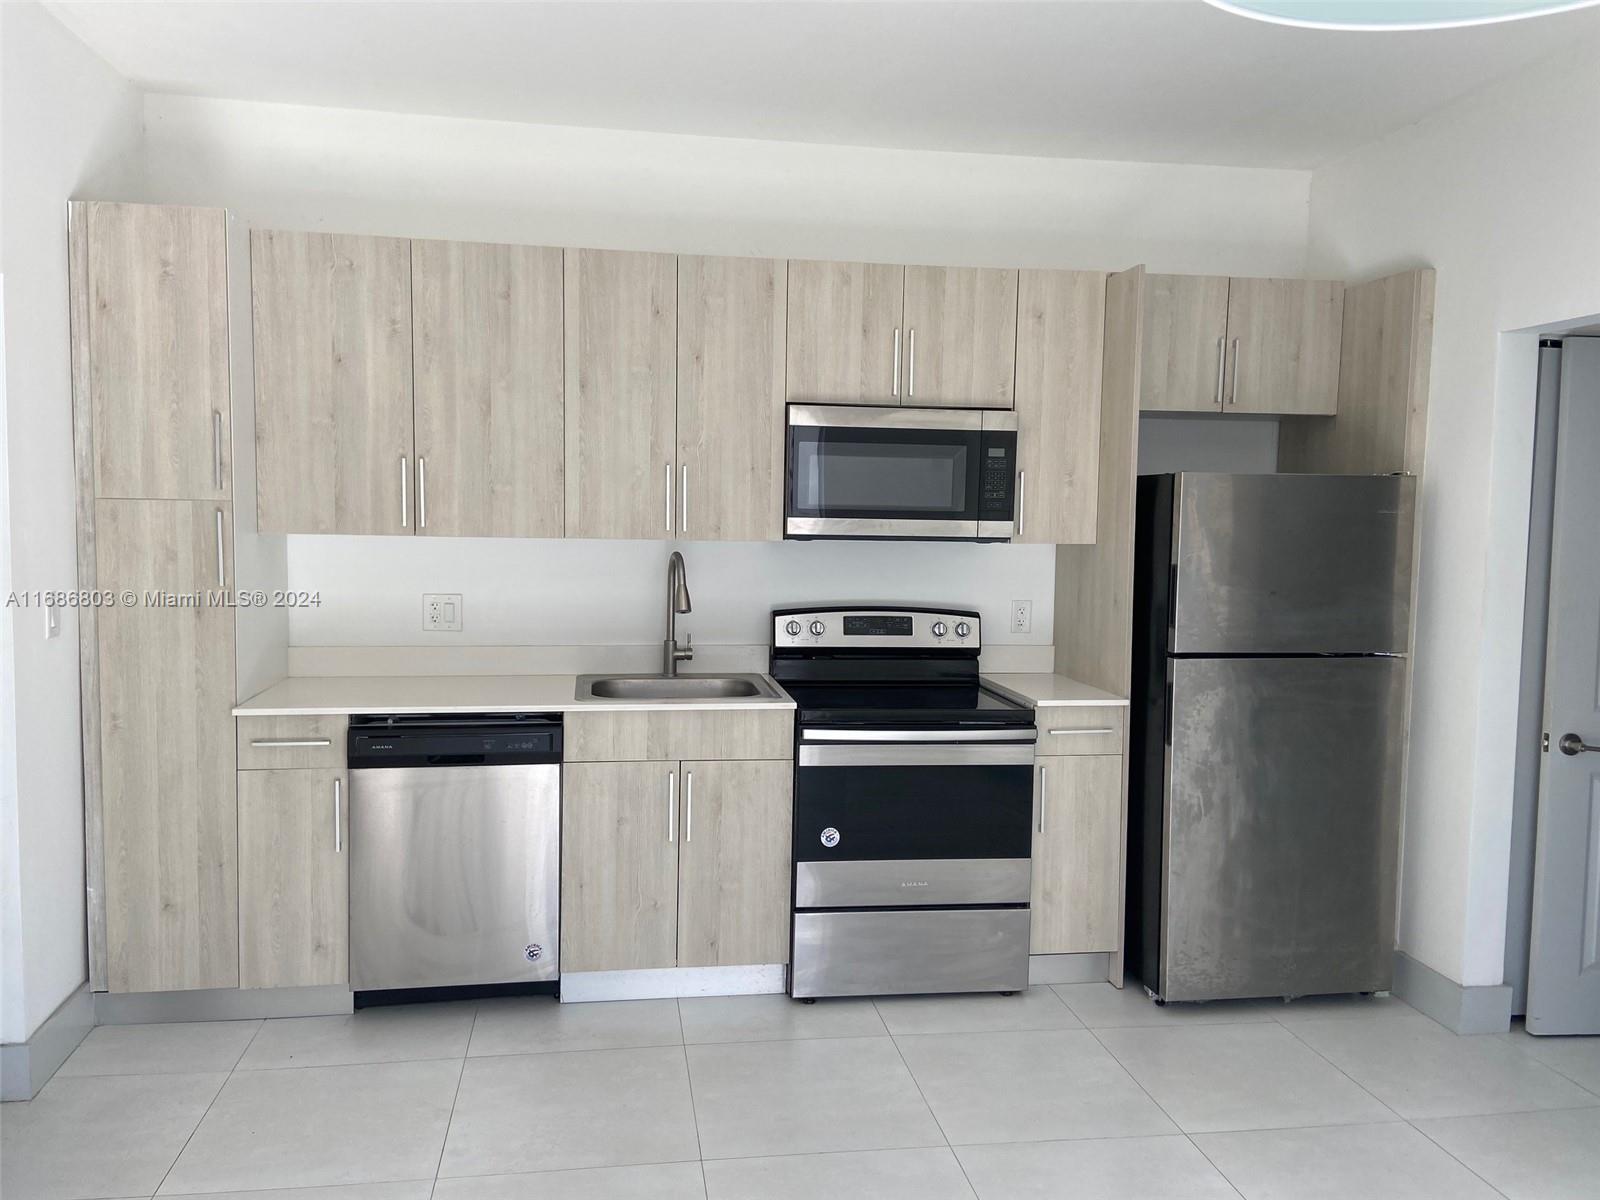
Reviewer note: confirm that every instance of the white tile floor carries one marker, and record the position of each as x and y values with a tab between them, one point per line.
1075	1091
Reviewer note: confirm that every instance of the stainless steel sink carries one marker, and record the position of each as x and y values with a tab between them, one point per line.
677	687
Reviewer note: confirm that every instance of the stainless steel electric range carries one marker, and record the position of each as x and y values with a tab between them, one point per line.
913	805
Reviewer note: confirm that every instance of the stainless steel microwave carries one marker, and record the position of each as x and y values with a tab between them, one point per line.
932	473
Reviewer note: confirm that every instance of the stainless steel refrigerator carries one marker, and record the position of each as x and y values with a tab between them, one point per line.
1271	615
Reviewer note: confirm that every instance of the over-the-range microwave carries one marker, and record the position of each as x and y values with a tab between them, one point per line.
853	471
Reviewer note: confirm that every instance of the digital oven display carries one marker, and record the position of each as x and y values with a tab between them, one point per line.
877	627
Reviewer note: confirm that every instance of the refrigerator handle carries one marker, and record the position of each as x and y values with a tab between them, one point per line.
1166	716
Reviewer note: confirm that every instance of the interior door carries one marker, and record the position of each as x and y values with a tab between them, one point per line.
845	333
1564	961
960	336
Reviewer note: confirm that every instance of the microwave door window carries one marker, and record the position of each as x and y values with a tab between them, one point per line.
869	478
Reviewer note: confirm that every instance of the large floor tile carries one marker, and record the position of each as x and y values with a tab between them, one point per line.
802	1097
930	1174
1326	1008
1028	1086
589	1108
370	1123
401	1033
177	1048
414	1189
1421	1069
1578	1058
1528	1156
659	1181
1101	1006
775	1018
112	1136
1144	1168
1218	1077
1035	1008
1336	1162
537	1024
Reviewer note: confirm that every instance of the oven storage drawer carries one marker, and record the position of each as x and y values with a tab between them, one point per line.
908	951
888	883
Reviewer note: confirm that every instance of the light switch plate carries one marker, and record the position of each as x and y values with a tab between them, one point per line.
1022	616
441	612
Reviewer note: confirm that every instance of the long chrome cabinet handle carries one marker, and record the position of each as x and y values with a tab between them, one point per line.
896	387
222	574
1233	371
683	500
1221	359
279	742
405	508
911	366
1022	500
422	492
338	821
672	806
688	806
216	446
669	497
1081	732
1041	797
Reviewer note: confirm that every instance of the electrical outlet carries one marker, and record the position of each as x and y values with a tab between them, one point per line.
441	612
1021	616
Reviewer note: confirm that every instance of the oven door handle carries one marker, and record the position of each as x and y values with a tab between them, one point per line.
989	755
1020	737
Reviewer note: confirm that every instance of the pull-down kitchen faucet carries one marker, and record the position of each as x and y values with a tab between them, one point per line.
677	602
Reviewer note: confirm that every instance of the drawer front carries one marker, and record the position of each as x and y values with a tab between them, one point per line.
274	743
910	951
673	735
1072	729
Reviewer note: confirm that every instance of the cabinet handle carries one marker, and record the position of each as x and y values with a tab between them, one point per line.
672	806
911	368
1220	359
669	497
276	742
1041	797
1022	500
896	391
683	499
222	575
405	511
338	822
216	446
1080	732
1233	369
422	492
688	806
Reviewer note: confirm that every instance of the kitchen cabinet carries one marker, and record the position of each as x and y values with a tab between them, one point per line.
674	863
961	336
1266	346
621	383
844	333
294	884
165	690
157	317
1077	854
730	417
489	389
333	377
1060	330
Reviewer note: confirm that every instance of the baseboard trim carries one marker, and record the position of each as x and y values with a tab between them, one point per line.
221	1004
1068	968
1482	1009
668	982
25	1067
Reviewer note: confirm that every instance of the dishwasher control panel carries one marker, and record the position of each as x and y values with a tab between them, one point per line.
476	739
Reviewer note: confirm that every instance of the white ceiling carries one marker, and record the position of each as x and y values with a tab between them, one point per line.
1153	80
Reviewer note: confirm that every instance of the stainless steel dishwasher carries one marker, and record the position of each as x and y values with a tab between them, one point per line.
455	850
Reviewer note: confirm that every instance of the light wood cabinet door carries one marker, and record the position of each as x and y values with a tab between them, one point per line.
845	333
1283	346
961	336
733	863
487	329
158	351
731	330
619	866
169	807
294	881
621	321
1077	854
1185	339
1061	328
333	383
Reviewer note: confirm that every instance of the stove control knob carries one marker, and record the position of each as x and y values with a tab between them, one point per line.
792	628
818	629
940	629
962	629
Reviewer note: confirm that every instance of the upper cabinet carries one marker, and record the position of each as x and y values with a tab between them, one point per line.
961	336
333	383
621	322
1214	344
845	333
487	334
157	351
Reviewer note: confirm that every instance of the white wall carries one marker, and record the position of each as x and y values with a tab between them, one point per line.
1500	192
69	126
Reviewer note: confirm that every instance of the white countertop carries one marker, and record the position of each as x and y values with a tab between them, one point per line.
1046	691
332	695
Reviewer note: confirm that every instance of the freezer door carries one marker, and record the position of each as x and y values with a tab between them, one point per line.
1291	564
1282	818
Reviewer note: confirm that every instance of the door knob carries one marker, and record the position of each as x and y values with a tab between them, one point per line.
1571	743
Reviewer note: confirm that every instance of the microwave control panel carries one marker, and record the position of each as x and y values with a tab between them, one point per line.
997	475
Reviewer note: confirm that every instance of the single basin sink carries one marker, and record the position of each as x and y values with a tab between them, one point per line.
679	687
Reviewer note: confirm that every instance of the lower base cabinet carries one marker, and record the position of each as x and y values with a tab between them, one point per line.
1076	854
667	864
294	882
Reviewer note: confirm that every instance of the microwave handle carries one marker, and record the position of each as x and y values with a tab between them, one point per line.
1022	499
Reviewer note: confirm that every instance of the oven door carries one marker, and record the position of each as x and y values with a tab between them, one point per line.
883	472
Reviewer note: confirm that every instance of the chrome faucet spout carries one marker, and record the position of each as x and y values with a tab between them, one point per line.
677	602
